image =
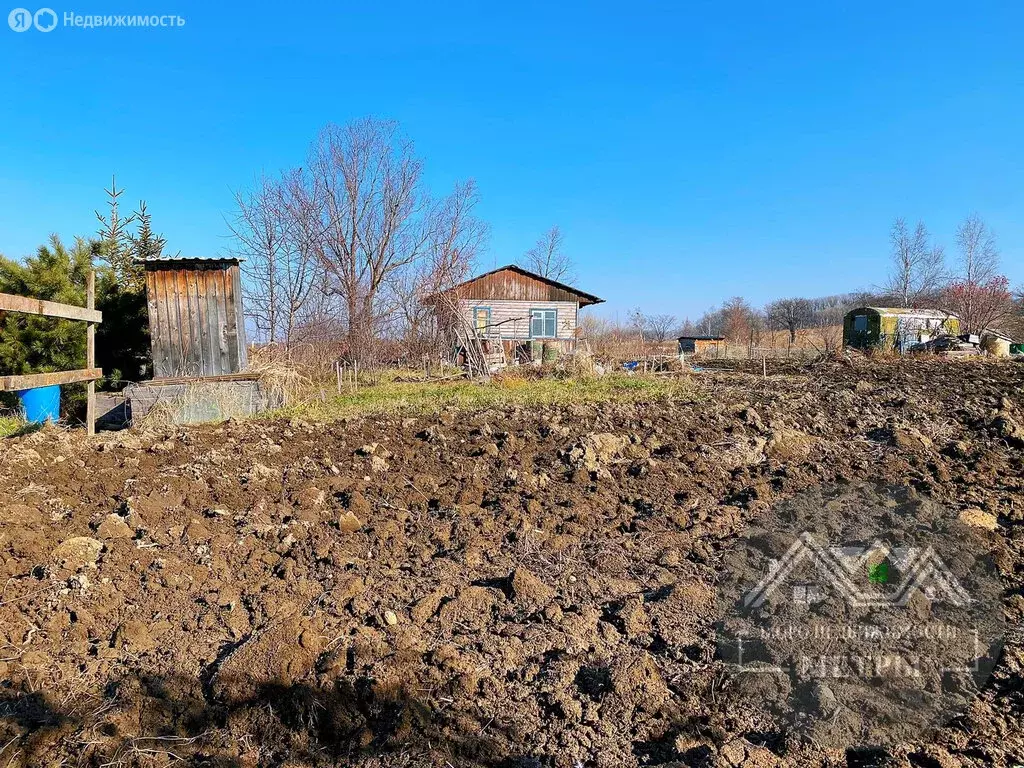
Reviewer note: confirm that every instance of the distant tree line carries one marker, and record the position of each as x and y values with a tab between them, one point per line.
920	276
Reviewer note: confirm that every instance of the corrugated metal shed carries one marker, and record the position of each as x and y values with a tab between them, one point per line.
517	284
195	316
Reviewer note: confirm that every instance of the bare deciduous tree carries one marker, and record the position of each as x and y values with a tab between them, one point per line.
918	267
353	244
367	200
791	314
658	328
547	258
978	255
455	239
740	321
980	296
281	273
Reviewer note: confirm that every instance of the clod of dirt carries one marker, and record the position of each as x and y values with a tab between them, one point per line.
310	497
134	637
348	522
471	609
1009	430
114	527
789	445
596	449
739	452
979	518
911	440
77	552
742	753
358	505
632	618
425	609
530	592
278	655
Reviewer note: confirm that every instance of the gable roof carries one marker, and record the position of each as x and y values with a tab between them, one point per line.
519	284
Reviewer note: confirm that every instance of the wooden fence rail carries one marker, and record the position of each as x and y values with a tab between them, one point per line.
88	314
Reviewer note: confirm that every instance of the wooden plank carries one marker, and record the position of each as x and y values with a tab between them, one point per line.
90	356
195	332
152	305
29	306
178	337
156	323
230	328
189	365
203	320
199	379
216	326
172	365
243	351
33	380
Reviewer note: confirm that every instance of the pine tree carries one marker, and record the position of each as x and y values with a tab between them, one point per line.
146	244
30	344
115	243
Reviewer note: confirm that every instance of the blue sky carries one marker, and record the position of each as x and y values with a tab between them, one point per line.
689	151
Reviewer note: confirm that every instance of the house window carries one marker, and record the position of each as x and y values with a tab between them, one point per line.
543	323
860	323
481	319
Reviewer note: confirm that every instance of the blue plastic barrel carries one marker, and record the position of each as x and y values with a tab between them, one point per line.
41	404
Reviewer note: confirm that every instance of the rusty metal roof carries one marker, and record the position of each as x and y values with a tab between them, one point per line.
178	258
520	284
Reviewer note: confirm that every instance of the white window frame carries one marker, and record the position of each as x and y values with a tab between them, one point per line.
542	314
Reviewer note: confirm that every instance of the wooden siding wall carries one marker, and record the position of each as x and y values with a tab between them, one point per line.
195	318
514	287
519	313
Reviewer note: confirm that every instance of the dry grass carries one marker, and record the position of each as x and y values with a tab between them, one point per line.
405	392
281	378
12	425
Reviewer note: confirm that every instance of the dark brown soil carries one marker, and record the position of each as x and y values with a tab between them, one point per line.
530	587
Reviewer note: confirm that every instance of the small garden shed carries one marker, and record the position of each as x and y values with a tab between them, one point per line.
195	316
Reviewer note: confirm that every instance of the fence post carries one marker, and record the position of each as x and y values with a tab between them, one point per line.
90	355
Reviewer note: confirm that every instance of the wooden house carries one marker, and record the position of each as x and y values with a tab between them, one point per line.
528	315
